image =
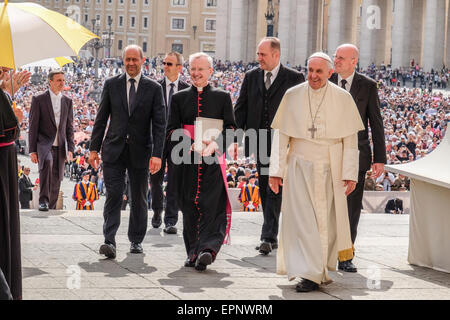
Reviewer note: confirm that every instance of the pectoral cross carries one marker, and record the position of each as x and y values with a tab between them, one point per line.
313	130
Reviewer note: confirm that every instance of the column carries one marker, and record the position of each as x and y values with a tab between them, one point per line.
297	30
400	37
284	30
373	32
232	32
416	29
447	62
434	35
340	23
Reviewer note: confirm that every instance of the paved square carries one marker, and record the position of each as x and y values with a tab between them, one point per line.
61	261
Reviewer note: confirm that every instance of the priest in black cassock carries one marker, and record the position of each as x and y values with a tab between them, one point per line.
10	249
201	177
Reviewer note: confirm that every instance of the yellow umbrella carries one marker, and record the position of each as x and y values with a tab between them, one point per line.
52	63
29	32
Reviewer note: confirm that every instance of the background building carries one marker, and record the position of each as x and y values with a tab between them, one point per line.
158	26
390	32
387	31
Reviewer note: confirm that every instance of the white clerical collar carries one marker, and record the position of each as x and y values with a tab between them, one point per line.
53	95
348	79
274	72
137	78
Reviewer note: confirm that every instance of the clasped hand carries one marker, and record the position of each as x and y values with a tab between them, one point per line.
211	147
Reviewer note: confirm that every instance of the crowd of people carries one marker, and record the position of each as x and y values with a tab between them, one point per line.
407	125
415	118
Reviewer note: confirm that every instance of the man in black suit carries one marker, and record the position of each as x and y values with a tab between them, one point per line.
26	188
365	93
51	138
171	84
261	94
134	141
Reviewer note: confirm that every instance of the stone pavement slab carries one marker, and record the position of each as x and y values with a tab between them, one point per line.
61	262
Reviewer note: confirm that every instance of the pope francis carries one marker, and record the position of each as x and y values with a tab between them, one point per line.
315	157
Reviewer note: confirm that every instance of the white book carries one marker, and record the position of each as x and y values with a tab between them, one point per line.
206	129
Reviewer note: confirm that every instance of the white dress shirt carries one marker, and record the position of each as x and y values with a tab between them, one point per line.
349	80
175	88
56	104
274	73
136	84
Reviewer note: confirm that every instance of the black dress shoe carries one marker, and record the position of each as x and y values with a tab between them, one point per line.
347	266
136	248
306	285
108	250
43	207
156	220
203	260
170	229
265	248
274	245
189	264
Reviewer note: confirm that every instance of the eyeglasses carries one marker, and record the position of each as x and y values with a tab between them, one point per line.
169	64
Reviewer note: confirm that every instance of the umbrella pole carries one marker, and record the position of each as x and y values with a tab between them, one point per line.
12	84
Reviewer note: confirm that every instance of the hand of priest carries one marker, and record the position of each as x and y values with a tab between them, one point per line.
275	183
351	185
211	147
233	151
154	165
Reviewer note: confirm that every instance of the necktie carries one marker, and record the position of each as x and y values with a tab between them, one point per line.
132	95
343	83
268	82
171	91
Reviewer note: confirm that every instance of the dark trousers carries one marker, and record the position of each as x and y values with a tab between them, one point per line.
354	203
156	181
49	181
114	175
271	204
10	249
124	204
25	204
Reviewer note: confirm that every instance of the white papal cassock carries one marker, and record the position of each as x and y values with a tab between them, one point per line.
315	228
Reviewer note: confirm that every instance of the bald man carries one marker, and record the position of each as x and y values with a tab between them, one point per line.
365	94
132	107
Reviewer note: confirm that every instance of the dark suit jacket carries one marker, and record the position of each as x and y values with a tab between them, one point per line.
251	102
143	130
25	189
365	94
181	85
42	132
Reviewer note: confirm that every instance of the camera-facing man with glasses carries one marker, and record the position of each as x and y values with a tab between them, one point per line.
171	84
